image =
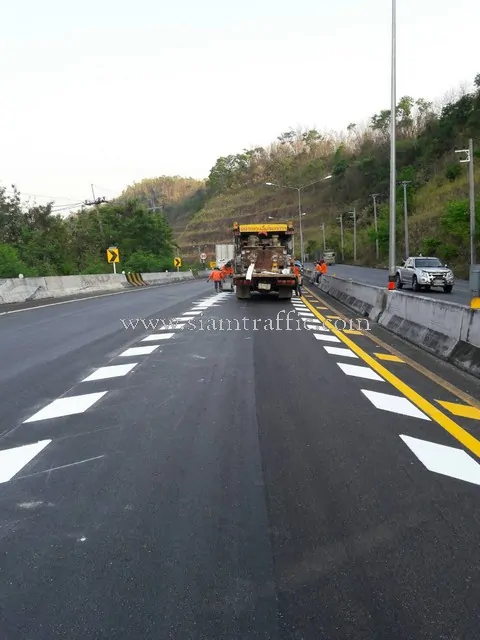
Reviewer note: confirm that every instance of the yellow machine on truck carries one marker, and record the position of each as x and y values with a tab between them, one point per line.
262	256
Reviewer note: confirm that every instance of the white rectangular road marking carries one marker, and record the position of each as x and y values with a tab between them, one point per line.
158	336
169	327
67	406
360	372
326	337
115	371
139	351
339	351
13	460
315	327
191	313
448	461
306	314
394	404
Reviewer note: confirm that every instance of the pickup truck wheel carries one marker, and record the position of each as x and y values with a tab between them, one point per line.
398	282
415	285
448	288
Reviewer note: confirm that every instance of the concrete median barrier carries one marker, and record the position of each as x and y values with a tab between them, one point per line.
446	329
21	290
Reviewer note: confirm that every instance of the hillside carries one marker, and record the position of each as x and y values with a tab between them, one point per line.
358	161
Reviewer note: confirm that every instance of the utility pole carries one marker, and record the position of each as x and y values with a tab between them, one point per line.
375	222
353	214
97	202
324	243
341	236
405	215
393	167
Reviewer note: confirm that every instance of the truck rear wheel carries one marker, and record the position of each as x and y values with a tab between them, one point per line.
242	292
285	293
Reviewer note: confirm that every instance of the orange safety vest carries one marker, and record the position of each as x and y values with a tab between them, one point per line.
216	276
296	271
318	267
323	267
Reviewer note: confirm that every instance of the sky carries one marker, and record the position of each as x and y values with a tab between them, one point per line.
108	92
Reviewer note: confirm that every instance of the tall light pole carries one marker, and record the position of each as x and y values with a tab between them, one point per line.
353	215
404	183
393	169
375	222
299	190
471	184
324	243
341	236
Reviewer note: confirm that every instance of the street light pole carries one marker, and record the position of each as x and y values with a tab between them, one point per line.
393	181
375	222
299	189
324	243
354	216
302	257
405	215
341	236
471	184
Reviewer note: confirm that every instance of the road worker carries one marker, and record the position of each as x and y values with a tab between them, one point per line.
298	277
217	277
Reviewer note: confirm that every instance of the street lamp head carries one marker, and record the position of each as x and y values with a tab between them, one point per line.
270	184
327	177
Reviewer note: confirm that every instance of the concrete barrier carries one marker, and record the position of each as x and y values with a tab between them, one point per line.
445	329
20	290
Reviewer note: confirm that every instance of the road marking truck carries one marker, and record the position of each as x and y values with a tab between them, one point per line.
262	258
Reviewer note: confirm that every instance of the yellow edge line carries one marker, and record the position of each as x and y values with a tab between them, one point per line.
433	377
444	421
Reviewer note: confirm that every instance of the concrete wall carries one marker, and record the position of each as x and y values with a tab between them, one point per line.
446	329
15	290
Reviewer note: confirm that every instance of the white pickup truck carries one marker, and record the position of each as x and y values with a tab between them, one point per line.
421	272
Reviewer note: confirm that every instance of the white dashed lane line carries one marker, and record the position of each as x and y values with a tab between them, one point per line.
445	460
138	351
67	406
113	371
13	460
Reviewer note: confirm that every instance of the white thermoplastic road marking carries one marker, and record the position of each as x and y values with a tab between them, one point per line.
114	371
157	336
394	404
447	461
315	327
339	351
169	327
326	337
191	313
67	406
359	372
13	460
139	351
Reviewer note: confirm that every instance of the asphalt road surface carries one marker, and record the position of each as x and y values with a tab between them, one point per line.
230	480
379	278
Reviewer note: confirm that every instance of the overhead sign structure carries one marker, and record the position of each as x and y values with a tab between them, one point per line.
203	256
259	228
113	255
177	262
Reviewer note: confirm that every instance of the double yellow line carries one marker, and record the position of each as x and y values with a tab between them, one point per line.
455	430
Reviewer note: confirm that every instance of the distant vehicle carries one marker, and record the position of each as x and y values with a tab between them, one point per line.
329	257
262	260
419	272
